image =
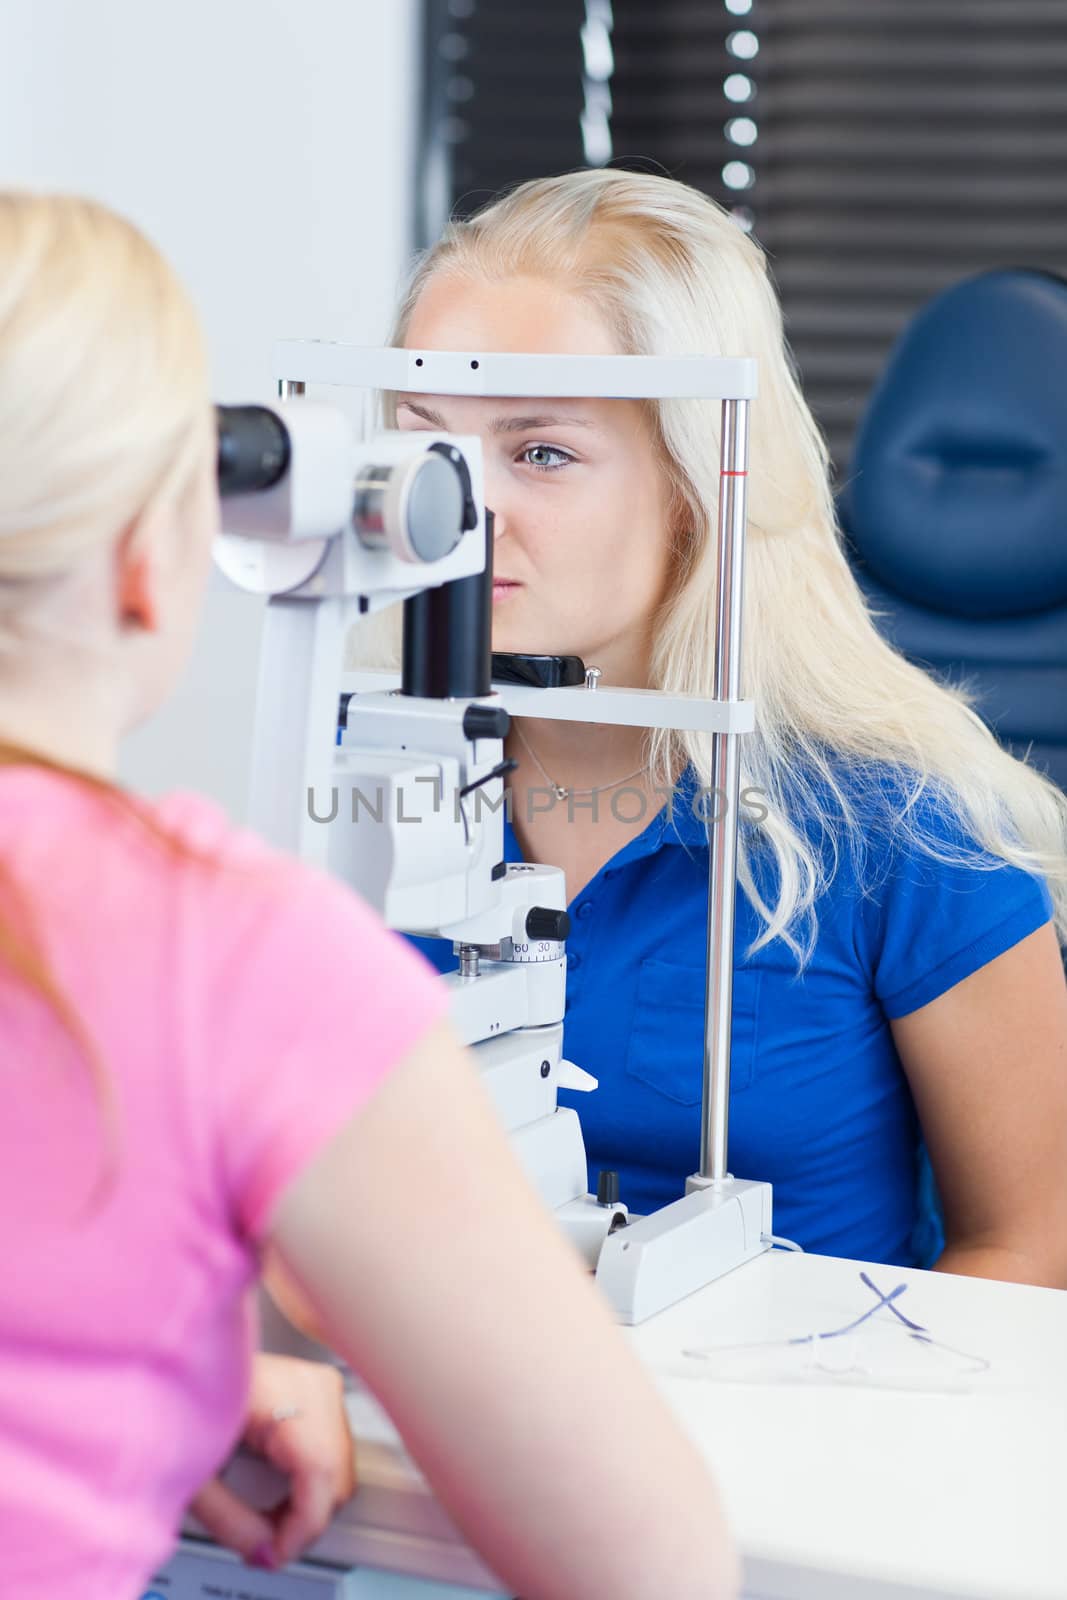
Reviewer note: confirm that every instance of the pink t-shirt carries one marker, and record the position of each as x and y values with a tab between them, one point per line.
241	1014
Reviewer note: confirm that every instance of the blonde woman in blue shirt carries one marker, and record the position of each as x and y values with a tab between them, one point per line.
899	993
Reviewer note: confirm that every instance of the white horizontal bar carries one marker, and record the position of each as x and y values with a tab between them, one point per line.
629	708
516	376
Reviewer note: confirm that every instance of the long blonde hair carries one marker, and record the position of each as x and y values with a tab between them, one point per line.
103	382
850	736
103	414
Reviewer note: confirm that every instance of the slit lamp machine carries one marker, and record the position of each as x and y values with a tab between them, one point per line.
410	771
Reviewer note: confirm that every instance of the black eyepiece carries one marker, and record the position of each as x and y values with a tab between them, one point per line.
253	449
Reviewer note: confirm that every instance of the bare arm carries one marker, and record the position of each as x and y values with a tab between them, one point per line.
987	1064
440	1277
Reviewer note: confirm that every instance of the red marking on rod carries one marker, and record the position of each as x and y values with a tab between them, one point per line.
724	472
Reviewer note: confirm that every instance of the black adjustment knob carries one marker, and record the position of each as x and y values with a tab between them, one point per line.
607	1189
542	922
486	722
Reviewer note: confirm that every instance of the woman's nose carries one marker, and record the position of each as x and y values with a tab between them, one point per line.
496	501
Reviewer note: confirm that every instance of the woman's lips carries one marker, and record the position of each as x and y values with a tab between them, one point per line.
502	587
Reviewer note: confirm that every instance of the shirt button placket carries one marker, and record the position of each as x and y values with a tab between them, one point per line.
582	914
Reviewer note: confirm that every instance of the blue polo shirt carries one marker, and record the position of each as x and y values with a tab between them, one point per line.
819	1104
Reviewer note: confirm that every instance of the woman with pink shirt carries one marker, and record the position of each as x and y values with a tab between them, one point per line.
210	1052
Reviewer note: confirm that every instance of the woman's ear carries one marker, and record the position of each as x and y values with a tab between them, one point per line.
137	579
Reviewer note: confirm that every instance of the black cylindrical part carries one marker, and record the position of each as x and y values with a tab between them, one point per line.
253	449
547	922
486	722
448	635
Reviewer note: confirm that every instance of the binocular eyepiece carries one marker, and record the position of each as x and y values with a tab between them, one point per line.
404	500
254	449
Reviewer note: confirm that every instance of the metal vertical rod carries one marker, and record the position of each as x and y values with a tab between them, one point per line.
287	387
725	776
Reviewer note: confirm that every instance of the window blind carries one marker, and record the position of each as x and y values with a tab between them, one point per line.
902	145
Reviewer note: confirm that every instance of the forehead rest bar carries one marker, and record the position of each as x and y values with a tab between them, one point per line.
505	375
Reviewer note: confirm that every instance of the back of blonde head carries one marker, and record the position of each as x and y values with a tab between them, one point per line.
103	383
103	414
850	736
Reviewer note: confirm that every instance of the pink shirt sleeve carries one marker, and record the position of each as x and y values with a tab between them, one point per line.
328	1000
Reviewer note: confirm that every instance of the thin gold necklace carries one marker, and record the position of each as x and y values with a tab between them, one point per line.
563	794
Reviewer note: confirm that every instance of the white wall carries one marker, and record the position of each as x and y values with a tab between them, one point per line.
266	146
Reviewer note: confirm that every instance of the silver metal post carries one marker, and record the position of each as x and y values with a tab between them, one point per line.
725	773
287	387
469	961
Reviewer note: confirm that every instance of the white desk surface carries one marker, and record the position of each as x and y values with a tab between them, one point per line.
852	1491
837	1490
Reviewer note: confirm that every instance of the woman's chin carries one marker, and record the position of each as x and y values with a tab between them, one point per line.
517	630
509	634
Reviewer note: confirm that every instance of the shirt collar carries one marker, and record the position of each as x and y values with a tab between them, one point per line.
685	816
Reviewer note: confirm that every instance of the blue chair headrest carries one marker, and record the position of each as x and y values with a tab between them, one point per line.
957	494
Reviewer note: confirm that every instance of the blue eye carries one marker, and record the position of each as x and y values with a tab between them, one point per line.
563	459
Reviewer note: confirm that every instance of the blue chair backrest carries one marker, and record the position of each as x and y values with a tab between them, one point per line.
956	502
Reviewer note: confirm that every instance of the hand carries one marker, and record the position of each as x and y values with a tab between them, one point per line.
313	1446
